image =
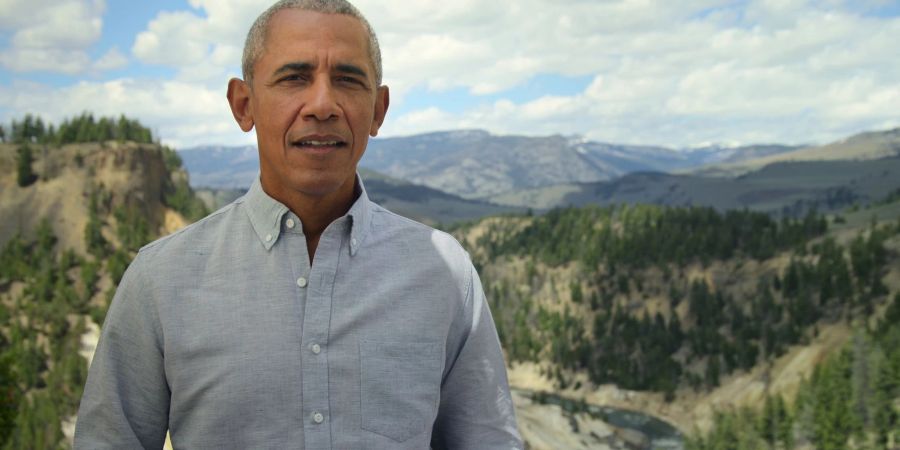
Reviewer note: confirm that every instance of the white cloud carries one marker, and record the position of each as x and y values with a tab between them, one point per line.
173	38
205	44
663	72
113	59
44	59
182	114
54	36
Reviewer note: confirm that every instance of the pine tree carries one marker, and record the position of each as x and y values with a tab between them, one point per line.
24	159
9	396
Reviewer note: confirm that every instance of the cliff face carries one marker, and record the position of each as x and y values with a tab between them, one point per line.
120	175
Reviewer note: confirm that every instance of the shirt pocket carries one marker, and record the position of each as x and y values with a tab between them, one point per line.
399	386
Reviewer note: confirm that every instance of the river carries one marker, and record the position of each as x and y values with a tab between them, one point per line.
661	435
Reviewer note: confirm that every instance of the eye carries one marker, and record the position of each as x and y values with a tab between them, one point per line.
292	78
349	80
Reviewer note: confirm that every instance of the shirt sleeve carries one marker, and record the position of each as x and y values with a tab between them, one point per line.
126	398
476	409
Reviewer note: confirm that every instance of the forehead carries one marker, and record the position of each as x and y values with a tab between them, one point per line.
296	33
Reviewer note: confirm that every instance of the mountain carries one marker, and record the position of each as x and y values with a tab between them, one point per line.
475	164
221	167
719	154
425	204
414	201
782	187
863	146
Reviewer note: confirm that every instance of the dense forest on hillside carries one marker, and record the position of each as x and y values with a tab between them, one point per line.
42	372
716	333
50	293
624	294
850	401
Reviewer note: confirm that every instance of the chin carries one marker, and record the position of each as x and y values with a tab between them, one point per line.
321	184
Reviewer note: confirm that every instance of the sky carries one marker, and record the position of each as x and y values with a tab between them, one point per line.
654	72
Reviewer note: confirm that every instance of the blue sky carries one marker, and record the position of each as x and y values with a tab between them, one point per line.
630	71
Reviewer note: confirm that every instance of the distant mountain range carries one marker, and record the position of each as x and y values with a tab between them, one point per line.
451	169
417	202
476	164
785	187
860	147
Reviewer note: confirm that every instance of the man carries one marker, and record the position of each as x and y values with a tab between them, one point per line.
303	315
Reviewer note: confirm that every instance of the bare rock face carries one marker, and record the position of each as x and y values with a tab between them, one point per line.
120	175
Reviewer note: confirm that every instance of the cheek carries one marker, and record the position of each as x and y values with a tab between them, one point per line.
360	115
276	115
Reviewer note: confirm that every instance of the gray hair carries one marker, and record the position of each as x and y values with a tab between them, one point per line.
256	38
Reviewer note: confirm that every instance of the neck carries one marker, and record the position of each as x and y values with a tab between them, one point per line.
316	212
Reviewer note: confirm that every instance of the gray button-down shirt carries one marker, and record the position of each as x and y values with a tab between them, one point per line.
225	335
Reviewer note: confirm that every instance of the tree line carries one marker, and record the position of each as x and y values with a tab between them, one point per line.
645	235
79	129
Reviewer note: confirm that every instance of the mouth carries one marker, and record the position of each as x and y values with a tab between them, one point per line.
319	143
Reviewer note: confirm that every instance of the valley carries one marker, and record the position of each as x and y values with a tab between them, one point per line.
716	306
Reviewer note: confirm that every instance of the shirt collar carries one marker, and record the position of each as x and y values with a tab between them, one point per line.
266	215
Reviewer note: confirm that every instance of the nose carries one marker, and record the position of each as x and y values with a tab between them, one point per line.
321	104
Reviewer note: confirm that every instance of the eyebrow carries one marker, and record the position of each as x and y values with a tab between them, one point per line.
308	67
352	69
294	67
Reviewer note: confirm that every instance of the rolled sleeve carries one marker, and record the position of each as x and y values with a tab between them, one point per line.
126	398
476	409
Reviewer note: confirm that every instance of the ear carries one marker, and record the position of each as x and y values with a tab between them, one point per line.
382	100
239	100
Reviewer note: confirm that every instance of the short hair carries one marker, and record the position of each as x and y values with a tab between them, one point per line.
256	37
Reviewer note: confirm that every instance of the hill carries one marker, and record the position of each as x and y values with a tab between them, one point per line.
426	205
784	187
123	176
864	146
222	168
73	216
685	313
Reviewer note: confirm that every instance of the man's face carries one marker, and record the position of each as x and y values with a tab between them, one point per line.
314	103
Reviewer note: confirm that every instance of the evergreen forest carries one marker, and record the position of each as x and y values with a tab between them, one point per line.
52	296
670	299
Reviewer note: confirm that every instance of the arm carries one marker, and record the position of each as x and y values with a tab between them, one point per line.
476	410
126	398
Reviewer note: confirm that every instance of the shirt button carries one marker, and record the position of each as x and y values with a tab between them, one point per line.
317	417
290	223
301	282
268	238
316	349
